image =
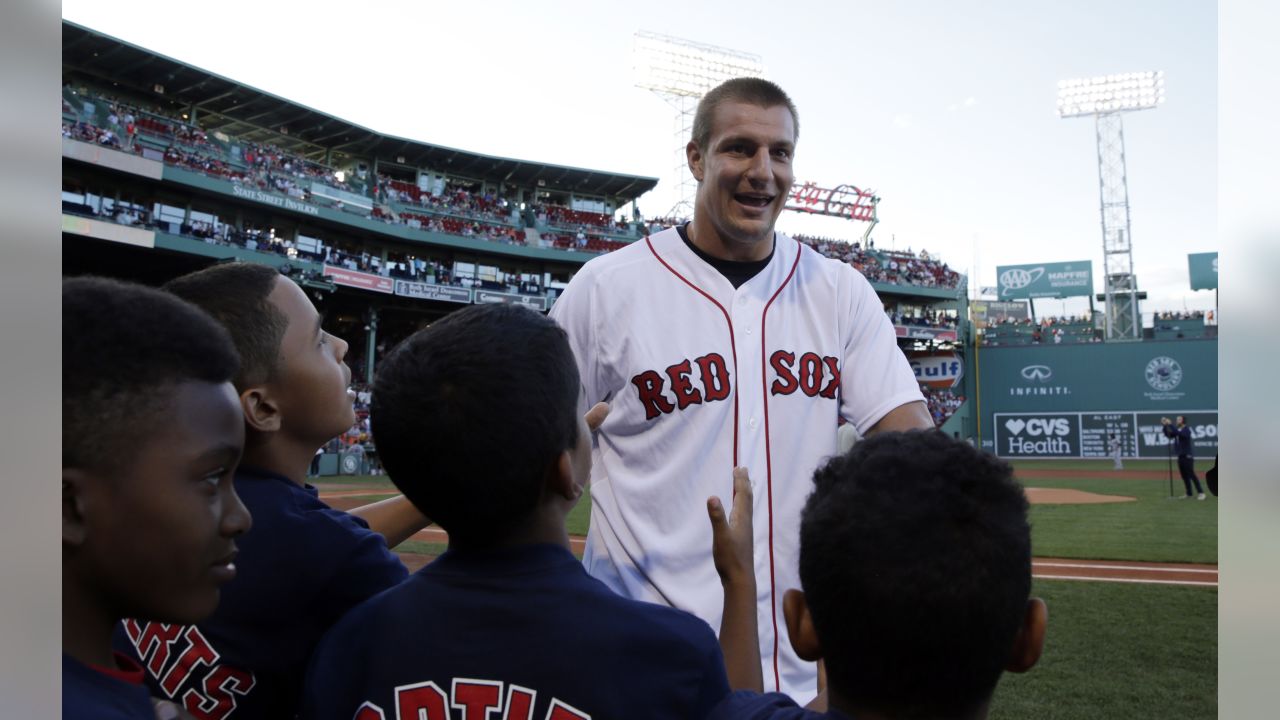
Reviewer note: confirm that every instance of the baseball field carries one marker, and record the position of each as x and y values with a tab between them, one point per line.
1129	575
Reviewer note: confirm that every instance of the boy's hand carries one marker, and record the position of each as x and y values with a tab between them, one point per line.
596	415
733	552
168	710
732	539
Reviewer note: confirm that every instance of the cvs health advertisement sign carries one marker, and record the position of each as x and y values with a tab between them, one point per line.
1037	434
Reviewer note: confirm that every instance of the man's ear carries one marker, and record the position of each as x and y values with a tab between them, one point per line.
75	486
693	154
261	411
560	480
1029	642
804	638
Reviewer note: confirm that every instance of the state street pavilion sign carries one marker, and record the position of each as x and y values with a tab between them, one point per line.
1045	280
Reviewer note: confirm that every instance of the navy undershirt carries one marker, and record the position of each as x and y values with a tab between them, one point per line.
736	272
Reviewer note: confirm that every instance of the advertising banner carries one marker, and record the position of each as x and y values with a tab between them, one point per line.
280	201
938	370
1152	442
356	279
320	189
489	296
1204	270
1045	280
919	332
1040	435
991	312
431	291
1088	434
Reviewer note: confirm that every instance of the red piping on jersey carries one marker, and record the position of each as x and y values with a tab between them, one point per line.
768	462
732	346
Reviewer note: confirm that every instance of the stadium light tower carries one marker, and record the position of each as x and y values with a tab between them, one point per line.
681	72
1107	98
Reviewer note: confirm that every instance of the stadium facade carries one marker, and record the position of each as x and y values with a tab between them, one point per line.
168	168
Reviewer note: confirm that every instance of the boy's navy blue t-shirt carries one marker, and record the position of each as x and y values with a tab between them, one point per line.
300	568
748	705
91	694
522	632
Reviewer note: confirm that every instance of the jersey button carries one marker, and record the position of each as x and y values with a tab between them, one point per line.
753	423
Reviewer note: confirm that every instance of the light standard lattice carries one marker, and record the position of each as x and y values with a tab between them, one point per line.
681	72
1106	98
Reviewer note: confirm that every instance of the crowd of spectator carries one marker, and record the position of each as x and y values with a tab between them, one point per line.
1180	315
920	317
85	132
943	403
882	266
1043	331
887	266
1045	322
579	221
284	171
583	242
453	201
269	168
506	234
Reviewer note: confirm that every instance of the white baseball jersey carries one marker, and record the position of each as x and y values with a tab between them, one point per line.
702	377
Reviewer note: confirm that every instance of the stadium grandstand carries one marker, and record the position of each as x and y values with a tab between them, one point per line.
168	168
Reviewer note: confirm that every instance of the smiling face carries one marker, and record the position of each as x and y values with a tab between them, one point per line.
313	383
744	175
158	534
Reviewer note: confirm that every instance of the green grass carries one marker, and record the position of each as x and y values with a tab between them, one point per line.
580	517
366	499
1202	464
378	482
1152	528
1114	650
1119	651
419	547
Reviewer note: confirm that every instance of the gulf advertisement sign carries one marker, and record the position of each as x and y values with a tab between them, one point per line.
938	370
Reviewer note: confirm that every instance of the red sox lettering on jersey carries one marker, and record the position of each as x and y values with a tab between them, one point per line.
674	388
702	376
180	657
473	699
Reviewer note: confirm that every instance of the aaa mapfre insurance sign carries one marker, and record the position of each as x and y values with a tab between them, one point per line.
356	279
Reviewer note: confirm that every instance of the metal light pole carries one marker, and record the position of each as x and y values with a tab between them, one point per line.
1106	98
681	72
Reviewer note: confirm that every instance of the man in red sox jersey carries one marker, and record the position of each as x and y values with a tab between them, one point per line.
722	343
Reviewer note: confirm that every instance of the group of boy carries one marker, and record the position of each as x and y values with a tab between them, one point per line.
189	533
204	577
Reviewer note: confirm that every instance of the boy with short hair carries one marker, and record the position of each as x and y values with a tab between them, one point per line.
151	435
305	564
915	558
506	623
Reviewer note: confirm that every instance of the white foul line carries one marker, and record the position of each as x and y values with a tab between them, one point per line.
1125	580
1124	567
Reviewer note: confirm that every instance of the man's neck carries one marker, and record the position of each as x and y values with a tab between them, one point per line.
705	237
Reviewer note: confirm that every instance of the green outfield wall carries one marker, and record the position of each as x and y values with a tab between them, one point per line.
1064	401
